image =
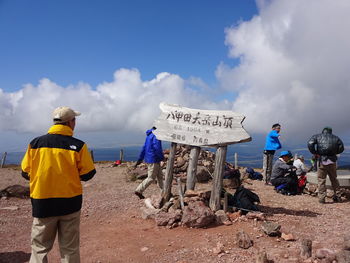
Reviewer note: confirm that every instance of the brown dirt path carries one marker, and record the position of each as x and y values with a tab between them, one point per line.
112	229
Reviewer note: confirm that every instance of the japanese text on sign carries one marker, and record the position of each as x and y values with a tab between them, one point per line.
201	119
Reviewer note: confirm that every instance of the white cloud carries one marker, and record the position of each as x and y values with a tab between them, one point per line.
294	63
125	104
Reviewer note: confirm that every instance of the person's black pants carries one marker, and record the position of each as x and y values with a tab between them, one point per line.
290	181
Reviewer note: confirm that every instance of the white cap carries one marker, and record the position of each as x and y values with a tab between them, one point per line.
64	114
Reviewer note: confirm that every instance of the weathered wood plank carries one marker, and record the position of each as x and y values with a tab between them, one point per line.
192	168
121	155
215	197
166	193
181	192
3	160
199	127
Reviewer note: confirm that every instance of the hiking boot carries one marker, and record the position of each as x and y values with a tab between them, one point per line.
321	201
336	199
139	195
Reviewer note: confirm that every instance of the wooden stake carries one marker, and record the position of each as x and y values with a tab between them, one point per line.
121	155
3	159
192	168
181	193
236	161
166	193
215	196
226	202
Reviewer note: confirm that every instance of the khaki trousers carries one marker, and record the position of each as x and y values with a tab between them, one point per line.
322	172
44	233
154	172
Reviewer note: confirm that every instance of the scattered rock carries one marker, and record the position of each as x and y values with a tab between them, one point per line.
144	249
258	216
219	248
271	228
156	201
168	219
288	237
15	191
324	253
12	208
262	258
234	216
221	217
306	248
343	256
148	213
243	240
346	245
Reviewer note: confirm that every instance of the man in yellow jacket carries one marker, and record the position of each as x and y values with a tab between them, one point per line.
55	164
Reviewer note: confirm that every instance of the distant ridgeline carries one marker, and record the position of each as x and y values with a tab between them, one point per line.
249	154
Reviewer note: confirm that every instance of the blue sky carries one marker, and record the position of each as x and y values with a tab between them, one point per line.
72	41
115	61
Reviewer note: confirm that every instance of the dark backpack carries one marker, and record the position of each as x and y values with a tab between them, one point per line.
245	199
253	175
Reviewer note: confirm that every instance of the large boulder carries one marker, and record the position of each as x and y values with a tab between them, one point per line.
197	215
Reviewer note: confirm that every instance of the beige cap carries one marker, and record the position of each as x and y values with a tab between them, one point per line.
64	114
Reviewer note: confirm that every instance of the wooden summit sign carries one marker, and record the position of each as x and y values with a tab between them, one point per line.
199	127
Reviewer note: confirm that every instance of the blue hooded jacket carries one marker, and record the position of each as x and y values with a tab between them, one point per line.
272	141
152	151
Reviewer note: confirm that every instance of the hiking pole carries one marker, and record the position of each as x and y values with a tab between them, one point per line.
253	211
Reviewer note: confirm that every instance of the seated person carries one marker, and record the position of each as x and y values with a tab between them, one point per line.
283	176
301	171
299	163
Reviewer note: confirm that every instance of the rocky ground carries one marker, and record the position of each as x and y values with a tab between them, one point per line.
112	229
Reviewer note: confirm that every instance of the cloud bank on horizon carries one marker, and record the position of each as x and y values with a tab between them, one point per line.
293	69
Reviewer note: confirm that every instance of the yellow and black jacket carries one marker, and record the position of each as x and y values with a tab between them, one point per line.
55	164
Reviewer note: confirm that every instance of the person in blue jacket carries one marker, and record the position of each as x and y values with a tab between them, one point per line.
152	154
271	145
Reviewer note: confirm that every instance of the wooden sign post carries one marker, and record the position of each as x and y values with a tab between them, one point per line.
192	167
199	128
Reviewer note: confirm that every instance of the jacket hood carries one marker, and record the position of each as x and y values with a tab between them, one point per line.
327	130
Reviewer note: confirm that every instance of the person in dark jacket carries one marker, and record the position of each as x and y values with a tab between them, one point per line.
271	145
152	154
325	147
283	176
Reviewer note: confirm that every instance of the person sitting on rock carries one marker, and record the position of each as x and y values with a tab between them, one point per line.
283	176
